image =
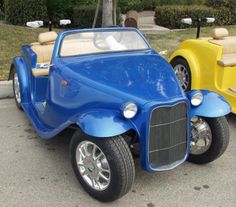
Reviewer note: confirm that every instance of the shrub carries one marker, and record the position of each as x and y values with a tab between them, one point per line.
126	6
83	16
21	11
63	9
177	2
225	6
170	16
1	6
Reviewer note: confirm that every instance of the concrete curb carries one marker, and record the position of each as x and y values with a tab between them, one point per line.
6	89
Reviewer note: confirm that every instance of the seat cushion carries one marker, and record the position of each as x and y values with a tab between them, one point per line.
228	60
40	72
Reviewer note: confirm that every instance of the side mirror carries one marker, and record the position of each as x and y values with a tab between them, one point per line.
210	20
34	24
65	22
188	21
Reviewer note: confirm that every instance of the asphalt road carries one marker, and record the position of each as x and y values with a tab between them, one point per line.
34	172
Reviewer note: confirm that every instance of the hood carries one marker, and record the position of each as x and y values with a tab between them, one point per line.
145	75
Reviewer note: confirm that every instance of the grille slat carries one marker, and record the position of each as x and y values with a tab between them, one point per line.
168	135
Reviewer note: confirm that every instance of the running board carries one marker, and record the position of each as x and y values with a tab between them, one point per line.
43	131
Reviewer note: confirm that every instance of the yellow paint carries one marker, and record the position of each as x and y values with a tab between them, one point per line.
202	57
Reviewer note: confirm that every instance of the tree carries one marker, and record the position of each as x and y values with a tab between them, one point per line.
107	16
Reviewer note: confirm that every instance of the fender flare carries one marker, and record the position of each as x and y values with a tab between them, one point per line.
20	66
103	123
194	65
213	105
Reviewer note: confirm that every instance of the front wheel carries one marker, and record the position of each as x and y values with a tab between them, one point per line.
210	138
103	166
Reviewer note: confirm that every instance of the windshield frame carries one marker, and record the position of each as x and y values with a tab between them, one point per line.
113	29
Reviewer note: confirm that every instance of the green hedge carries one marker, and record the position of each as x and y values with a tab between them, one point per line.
170	16
227	6
83	16
63	9
20	11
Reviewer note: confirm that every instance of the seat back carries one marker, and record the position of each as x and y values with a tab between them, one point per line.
221	37
44	47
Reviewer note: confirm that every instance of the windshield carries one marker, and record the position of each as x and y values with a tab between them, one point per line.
83	43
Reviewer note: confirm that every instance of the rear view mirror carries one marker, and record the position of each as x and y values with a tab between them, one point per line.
210	20
188	21
65	22
34	24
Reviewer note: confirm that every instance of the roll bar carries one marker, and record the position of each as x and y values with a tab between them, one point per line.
40	23
190	21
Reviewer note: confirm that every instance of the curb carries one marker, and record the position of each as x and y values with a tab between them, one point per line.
6	90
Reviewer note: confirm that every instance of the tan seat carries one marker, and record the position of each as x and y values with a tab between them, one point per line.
228	60
221	37
44	49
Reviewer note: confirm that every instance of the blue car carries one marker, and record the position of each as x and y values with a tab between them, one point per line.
123	100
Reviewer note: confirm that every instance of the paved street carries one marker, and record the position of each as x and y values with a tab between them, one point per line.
34	172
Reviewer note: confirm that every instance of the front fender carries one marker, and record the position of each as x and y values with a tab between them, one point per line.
193	63
21	69
103	123
213	105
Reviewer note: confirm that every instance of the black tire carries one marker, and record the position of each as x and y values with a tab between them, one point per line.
220	140
13	86
121	164
183	62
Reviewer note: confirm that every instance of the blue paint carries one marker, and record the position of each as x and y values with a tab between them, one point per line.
98	86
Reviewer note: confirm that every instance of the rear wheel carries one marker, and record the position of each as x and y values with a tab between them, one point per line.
183	72
16	89
210	138
104	167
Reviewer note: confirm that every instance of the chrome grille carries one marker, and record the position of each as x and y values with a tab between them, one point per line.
168	135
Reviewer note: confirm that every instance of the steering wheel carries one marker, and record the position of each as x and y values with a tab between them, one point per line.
99	39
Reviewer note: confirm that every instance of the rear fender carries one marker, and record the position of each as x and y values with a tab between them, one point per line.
103	123
19	65
193	63
213	105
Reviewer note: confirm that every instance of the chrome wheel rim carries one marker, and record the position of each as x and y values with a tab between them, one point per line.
201	136
93	165
17	88
182	74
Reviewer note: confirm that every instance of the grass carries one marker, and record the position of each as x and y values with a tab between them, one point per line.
13	37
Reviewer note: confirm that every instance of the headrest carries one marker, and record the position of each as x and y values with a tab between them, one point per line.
219	33
47	37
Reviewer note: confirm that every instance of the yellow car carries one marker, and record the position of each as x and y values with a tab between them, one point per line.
208	63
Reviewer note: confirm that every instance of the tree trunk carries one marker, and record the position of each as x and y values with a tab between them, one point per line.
107	16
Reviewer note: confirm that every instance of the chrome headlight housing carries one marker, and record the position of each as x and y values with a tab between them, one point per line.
129	110
197	99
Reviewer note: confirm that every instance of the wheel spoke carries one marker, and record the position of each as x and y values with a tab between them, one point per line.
103	176
82	153
94	152
99	156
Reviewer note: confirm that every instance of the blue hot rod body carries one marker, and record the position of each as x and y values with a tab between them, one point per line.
91	90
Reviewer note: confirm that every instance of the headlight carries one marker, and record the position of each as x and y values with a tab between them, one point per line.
130	110
197	99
